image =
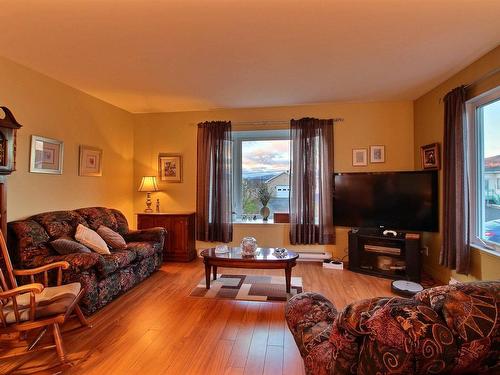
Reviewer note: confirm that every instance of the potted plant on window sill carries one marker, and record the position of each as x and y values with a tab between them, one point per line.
264	197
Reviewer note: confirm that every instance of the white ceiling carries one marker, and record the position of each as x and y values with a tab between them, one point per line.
176	55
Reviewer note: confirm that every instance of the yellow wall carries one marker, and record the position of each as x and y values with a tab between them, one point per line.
49	108
389	124
428	123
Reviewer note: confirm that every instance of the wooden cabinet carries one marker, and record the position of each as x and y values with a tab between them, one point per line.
180	244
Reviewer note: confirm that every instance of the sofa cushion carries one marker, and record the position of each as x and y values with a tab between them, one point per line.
65	246
91	239
31	239
112	238
51	301
60	223
97	216
116	260
121	222
142	249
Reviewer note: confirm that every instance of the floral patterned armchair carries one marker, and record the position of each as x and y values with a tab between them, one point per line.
448	329
103	277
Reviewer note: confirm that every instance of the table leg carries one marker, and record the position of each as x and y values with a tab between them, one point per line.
215	272
288	278
207	275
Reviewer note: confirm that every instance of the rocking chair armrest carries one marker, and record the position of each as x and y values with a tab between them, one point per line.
35	288
33	271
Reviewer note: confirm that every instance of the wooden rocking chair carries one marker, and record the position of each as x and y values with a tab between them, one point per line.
36	306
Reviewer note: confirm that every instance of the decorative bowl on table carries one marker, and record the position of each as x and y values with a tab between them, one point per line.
248	246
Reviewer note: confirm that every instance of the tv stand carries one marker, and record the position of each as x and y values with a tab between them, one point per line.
395	257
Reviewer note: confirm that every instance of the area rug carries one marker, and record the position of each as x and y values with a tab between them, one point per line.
248	288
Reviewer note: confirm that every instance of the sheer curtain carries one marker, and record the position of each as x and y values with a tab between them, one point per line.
455	252
311	182
214	182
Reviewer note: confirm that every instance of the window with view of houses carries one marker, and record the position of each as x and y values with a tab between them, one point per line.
261	159
484	130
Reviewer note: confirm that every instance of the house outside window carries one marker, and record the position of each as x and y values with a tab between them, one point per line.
261	158
483	115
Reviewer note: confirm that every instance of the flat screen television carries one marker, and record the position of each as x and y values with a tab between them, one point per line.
392	200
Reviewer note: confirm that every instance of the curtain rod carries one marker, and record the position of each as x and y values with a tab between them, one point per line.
267	122
491	73
483	77
273	122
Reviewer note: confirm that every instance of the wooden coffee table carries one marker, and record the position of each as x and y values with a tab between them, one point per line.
263	260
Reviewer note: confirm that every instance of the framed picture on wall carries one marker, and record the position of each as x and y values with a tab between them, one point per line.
46	155
90	161
170	167
377	154
431	158
359	157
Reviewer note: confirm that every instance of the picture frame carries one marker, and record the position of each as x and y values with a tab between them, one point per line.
46	155
90	161
377	154
170	167
431	156
359	157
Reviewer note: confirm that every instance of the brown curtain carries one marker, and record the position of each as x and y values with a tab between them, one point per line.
455	252
213	188
311	182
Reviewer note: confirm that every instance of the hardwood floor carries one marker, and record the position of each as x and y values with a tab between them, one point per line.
157	328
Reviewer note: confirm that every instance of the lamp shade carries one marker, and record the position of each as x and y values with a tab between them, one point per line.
148	184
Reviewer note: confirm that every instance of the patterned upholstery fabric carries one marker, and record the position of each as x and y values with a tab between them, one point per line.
142	249
114	261
97	216
450	329
103	277
30	238
59	224
121	222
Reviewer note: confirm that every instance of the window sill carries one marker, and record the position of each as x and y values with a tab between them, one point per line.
481	248
258	222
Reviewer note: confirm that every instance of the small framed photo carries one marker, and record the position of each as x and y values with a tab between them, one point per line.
46	155
170	167
431	158
359	157
377	154
90	161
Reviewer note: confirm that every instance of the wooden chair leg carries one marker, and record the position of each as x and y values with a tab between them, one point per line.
59	343
81	317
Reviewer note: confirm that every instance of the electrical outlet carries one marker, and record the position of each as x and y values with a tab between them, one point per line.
425	250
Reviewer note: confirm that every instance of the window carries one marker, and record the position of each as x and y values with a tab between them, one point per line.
483	115
261	160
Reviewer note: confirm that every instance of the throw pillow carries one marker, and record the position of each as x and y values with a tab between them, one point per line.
65	246
91	239
112	238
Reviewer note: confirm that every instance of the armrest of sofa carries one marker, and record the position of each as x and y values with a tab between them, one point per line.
309	317
328	341
157	235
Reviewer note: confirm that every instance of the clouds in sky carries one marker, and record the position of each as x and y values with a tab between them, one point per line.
265	156
492	129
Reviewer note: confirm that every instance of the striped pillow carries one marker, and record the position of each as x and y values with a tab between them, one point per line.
91	239
112	238
66	246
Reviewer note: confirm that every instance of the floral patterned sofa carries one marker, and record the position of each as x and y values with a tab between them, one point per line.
103	277
448	329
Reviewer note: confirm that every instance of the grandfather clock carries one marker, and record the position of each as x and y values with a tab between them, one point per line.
8	133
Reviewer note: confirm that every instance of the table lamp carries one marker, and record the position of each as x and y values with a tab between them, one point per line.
148	185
